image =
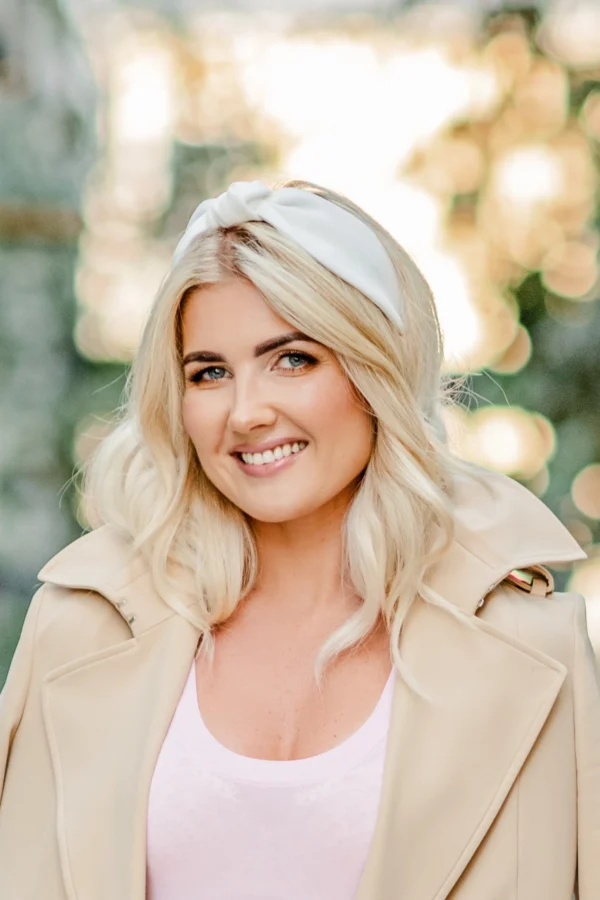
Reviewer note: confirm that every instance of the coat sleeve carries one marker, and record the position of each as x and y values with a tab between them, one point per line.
14	692
586	690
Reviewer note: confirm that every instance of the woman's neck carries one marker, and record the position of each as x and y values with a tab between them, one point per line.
300	565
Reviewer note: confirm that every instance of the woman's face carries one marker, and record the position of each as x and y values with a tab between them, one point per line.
276	424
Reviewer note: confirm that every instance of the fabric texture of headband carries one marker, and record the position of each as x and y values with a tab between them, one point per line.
334	237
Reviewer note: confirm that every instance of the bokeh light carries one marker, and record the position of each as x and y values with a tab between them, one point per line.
570	32
585	491
509	440
585	580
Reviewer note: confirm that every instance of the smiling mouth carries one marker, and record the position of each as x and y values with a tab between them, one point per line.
270	460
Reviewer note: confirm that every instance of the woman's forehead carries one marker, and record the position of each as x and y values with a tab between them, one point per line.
229	313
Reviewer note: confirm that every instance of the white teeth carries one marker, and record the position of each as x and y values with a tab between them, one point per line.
260	459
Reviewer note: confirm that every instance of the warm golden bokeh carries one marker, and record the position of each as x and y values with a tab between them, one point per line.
508	439
586	491
586	581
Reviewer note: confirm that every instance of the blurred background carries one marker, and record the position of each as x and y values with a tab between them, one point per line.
471	130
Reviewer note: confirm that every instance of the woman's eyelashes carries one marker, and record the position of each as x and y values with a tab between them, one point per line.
212	373
298	362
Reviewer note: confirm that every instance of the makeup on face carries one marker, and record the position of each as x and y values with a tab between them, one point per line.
276	425
259	350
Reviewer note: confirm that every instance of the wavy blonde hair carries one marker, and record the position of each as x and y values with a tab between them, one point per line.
146	481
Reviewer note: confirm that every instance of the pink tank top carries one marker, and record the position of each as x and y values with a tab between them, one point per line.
222	826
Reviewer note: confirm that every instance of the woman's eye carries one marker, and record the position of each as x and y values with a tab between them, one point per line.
212	373
296	360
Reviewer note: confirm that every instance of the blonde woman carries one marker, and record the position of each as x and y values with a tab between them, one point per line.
306	654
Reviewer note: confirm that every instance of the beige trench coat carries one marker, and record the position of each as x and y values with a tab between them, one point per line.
490	793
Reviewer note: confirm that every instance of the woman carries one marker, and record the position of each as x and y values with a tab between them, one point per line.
306	653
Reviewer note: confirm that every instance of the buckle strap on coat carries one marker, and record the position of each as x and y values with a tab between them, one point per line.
535	580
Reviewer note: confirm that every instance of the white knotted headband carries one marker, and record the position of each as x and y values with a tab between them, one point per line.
334	237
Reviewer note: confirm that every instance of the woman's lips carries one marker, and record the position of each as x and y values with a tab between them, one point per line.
269	468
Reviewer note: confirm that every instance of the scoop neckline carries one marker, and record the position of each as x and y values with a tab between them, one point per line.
329	764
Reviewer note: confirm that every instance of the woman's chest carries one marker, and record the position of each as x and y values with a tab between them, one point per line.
295	828
260	698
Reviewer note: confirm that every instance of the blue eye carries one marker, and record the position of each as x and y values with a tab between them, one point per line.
297	360
212	373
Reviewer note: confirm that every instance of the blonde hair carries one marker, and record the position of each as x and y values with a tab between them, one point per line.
145	478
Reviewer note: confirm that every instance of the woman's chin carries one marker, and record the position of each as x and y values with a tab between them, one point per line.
279	515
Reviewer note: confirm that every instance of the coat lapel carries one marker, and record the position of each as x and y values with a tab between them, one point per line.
106	717
451	762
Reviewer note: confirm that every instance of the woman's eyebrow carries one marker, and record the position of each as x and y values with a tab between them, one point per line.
274	343
259	350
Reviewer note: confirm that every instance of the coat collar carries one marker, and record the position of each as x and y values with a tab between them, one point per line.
500	526
106	713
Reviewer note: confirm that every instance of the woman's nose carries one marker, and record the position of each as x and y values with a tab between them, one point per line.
250	408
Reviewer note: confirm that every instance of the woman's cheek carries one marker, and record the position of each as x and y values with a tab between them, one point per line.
194	418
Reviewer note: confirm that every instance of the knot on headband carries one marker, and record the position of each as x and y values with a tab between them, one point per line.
333	236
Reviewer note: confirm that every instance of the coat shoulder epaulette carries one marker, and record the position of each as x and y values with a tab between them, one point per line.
535	580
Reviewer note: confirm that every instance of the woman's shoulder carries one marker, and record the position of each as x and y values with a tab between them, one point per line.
503	535
102	553
79	606
497	517
548	620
